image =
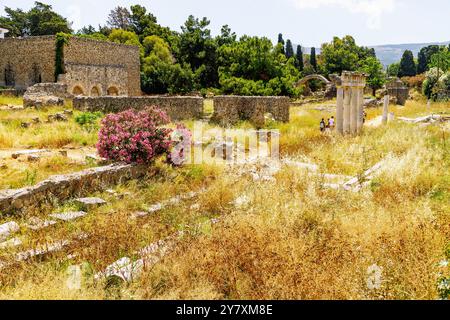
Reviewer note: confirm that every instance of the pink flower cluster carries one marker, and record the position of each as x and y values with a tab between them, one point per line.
134	136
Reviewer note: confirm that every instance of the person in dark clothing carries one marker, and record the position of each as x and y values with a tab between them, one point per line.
322	125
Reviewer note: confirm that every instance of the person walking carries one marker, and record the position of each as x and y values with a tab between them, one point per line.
322	125
331	123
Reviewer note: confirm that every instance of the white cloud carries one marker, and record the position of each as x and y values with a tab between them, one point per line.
373	9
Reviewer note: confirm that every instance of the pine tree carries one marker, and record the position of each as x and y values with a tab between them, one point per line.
407	65
289	49
422	63
281	41
313	59
299	60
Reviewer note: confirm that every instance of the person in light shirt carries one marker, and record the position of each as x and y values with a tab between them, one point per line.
331	123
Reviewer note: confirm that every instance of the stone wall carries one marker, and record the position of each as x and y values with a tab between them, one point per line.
24	62
45	94
396	88
110	64
63	187
230	109
96	80
178	108
10	92
91	67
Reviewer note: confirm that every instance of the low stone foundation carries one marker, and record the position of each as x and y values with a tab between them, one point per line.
46	94
11	92
178	108
63	187
230	109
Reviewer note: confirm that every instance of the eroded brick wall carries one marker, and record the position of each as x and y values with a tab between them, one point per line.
31	59
178	108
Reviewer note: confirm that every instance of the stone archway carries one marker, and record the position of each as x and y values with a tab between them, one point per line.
95	92
78	91
113	91
313	77
330	86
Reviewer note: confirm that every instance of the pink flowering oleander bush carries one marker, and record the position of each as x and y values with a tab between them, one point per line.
135	136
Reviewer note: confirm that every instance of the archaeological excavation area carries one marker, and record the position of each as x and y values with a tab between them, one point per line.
371	194
303	186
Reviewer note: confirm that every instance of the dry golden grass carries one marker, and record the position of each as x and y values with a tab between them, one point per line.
42	135
19	174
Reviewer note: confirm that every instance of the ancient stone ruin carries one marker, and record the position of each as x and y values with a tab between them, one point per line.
330	85
350	103
178	108
46	94
85	67
228	110
63	187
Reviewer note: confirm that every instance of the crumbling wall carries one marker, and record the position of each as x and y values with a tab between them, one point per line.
230	109
27	61
64	187
396	88
46	94
178	108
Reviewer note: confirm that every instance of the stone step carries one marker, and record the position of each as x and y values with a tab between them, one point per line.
37	224
7	229
68	216
90	203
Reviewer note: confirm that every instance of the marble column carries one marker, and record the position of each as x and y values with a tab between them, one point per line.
385	109
340	110
347	106
354	110
360	122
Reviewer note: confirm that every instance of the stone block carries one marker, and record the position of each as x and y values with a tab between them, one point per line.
17	154
33	158
7	229
36	224
68	216
90	203
14	242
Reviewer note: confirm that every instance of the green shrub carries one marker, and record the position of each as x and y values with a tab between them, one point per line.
89	120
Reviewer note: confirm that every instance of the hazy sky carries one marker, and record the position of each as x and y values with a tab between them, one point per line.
308	22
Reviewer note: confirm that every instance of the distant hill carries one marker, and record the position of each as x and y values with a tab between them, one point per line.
391	53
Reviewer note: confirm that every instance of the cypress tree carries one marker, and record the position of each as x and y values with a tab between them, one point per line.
313	59
289	49
422	63
281	41
407	65
299	60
